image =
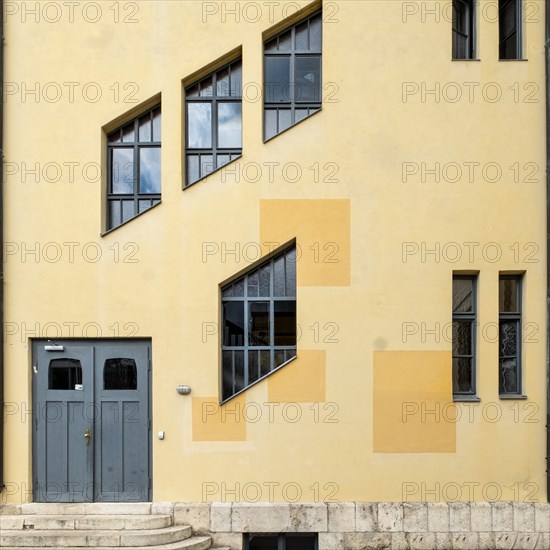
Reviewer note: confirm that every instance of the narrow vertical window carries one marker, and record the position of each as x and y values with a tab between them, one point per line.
509	300
134	183
464	335
292	75
213	122
464	29
259	323
509	26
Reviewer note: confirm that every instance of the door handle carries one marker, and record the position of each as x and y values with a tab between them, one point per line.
87	436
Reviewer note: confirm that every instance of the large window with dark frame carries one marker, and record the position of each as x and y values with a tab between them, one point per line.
259	323
509	26
213	122
292	75
464	335
134	174
464	27
510	330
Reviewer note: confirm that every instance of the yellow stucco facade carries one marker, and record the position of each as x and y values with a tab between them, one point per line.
417	167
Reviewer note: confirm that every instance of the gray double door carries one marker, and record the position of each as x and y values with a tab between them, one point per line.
92	425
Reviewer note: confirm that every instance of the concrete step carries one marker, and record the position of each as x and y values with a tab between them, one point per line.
98	522
86	508
59	538
193	543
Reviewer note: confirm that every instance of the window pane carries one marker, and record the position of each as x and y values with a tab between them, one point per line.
301	114
285	41
230	125
115	216
199	125
279	276
462	375
156	125
302	40
290	268
233	324
122	171
315	33
258	334
279	358
253	366
222	85
253	283
265	362
462	338
237	79
285	323
508	339
463	295
114	137
144	205
271	45
128	133
507	18
193	92
509	295
120	374
277	79
239	370
508	379
227	377
263	542
64	374
222	160
145	128
270	123
149	170
308	79
265	283
238	288
206	87
128	210
192	168
207	165
285	120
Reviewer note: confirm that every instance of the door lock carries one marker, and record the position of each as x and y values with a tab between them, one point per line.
87	436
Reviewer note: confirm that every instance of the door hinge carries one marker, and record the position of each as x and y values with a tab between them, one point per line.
35	368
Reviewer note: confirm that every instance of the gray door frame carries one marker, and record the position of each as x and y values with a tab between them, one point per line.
87	351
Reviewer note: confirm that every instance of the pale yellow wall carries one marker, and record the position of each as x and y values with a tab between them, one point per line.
369	131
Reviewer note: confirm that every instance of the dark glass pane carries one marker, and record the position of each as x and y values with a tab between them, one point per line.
265	362
463	295
207	165
285	323
258	334
236	79
302	36
271	45
279	276
128	133
227	292
285	41
156	125
238	288
230	125
277	79
114	137
149	170
253	366
507	18
301	114
122	171
206	87
508	379
193	91
285	119
239	370
300	542
233	324
308	79
462	338
114	207
145	128
264	274
508	296
290	354
64	374
316	33
222	160
509	48
235	156
290	269
128	210
279	357
120	374
227	374
462	375
222	85
262	542
144	205
270	123
199	125
253	284
508	339
192	169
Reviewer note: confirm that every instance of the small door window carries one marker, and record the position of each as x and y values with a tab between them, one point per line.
120	374
65	374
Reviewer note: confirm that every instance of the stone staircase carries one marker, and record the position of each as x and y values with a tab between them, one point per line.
106	526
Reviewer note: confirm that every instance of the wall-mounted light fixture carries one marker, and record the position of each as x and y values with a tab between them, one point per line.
183	390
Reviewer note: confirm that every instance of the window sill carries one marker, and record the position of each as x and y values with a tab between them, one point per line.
204	178
505	60
512	396
466	399
457	59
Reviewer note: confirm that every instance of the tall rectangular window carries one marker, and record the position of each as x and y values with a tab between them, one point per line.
464	335
213	122
510	329
509	26
292	75
259	323
464	29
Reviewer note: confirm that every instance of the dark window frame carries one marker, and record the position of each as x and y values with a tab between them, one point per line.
470	30
516	34
135	146
312	107
508	317
471	317
214	99
281	539
246	347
